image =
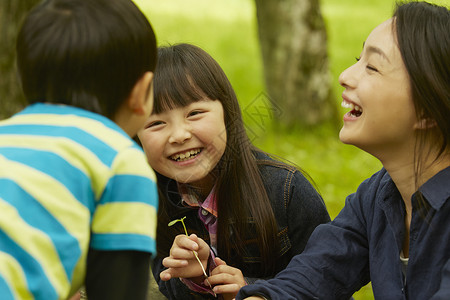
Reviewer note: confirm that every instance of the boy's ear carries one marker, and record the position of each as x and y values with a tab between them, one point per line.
137	101
425	123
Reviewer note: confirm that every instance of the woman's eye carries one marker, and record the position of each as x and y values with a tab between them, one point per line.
368	66
372	68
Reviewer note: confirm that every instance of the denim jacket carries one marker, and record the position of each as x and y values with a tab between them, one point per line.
297	206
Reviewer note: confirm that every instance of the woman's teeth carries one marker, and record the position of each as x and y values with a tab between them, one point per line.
186	155
355	110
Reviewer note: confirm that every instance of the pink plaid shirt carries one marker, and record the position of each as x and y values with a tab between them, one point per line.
207	213
207	210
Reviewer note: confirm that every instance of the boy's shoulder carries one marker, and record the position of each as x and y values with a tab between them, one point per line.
49	121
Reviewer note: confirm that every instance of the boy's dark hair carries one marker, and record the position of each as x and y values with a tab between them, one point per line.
84	53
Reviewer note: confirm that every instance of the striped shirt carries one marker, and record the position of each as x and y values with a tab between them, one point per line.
70	179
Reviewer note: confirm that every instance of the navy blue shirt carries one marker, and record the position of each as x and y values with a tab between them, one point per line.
363	243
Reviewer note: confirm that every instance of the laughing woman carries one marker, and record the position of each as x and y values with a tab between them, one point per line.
395	230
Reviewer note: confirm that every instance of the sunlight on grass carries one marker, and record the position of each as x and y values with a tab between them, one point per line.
231	10
225	29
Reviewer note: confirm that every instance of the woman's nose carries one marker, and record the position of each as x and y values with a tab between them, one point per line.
180	134
347	78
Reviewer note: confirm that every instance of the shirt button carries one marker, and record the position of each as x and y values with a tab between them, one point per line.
204	212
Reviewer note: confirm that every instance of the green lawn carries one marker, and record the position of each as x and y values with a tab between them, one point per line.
228	31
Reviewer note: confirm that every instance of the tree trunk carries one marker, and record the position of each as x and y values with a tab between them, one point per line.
12	13
293	41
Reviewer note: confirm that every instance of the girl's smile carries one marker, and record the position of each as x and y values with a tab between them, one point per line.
185	155
186	143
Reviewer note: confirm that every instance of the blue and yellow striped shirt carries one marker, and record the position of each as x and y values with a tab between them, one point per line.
70	179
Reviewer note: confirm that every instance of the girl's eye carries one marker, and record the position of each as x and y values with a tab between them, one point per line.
154	124
194	113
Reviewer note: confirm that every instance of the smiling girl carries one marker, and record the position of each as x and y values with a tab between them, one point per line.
395	230
254	212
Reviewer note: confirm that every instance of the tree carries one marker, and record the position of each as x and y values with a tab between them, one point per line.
11	15
293	42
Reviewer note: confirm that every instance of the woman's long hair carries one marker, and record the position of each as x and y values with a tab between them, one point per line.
185	74
422	32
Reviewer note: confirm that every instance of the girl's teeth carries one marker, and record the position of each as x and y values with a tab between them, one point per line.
185	156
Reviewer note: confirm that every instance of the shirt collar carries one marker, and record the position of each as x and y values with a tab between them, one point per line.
436	189
190	198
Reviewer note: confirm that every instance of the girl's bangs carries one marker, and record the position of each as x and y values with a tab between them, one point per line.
176	89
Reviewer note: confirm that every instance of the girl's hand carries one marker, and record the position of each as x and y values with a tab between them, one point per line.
182	262
226	280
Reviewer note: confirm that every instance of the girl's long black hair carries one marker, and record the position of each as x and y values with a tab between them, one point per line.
185	74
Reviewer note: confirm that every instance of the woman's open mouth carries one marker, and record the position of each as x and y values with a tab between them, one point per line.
355	110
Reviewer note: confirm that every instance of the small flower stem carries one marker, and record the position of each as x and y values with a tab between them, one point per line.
195	253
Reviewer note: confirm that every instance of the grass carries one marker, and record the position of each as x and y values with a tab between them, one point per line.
228	31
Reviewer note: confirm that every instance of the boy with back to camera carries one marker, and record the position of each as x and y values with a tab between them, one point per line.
78	200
